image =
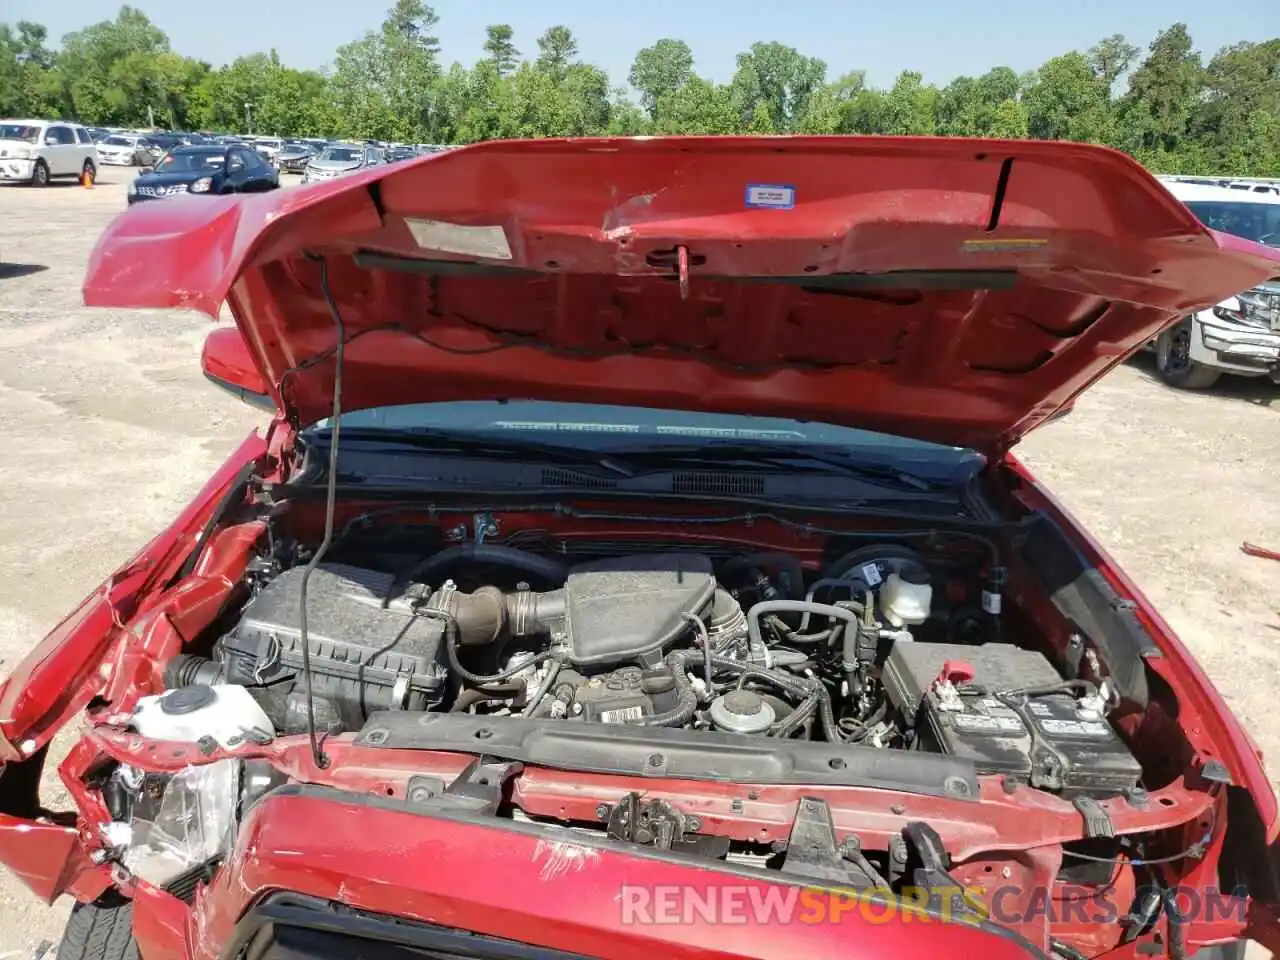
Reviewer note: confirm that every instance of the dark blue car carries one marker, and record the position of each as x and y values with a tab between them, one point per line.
205	168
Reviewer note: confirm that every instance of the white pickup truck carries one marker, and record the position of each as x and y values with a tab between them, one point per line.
36	151
1241	335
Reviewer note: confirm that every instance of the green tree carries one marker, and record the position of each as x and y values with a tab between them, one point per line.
107	72
556	50
660	69
1110	58
1163	92
779	77
697	106
1067	101
500	45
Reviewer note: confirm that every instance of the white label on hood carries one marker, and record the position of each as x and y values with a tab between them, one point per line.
488	242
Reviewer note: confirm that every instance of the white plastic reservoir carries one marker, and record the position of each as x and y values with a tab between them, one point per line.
224	712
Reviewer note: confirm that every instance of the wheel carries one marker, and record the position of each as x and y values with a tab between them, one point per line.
1174	364
40	174
88	170
99	932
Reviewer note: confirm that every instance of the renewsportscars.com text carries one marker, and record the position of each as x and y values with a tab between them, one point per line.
774	903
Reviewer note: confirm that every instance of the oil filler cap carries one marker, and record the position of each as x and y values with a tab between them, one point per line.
184	700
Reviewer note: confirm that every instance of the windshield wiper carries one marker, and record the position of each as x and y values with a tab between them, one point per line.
783	457
487	445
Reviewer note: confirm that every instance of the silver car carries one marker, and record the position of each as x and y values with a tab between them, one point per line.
336	160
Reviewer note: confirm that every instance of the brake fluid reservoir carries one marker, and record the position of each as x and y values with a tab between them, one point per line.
227	713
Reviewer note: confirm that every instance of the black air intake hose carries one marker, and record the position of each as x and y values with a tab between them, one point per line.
187	670
544	568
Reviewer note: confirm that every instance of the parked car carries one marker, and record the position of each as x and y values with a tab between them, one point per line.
1241	335
294	157
269	147
590	579
126	150
338	159
402	152
37	151
207	169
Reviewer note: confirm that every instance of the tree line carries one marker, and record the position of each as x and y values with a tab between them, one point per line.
1167	106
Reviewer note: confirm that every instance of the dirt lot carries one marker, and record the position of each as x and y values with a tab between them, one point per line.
110	428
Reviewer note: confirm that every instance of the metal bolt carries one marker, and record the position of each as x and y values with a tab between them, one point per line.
421	795
1006	872
98	856
737	805
456	533
693	823
898	809
656	760
898	850
602	811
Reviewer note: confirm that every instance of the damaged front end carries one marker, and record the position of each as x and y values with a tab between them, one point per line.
640	736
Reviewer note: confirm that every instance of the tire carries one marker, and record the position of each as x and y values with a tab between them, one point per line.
40	174
99	932
1174	365
90	171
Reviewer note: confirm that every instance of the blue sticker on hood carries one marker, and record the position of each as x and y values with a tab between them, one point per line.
774	196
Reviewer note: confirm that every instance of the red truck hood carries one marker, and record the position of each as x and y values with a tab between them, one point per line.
960	291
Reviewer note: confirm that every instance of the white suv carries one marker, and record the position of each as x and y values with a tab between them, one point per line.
1240	335
35	151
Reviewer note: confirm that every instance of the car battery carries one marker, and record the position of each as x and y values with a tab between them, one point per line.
967	721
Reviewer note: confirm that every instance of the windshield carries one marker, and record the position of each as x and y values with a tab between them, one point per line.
341	155
17	131
1259	222
190	162
118	142
609	428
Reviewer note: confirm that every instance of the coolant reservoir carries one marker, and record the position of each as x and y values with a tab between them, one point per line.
225	712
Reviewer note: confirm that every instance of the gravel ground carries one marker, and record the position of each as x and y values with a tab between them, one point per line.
110	428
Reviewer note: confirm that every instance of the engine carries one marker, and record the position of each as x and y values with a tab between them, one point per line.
868	653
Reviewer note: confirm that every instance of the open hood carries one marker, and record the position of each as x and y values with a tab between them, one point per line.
960	291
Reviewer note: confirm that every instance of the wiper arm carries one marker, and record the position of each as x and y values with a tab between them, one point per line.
748	455
446	441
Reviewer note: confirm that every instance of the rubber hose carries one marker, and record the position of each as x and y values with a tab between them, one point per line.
782	561
800	606
687	703
852	584
187	670
451	648
796	719
552	571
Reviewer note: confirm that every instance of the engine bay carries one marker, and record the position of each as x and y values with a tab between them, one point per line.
885	647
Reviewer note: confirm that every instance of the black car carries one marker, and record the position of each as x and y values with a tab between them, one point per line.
205	169
396	154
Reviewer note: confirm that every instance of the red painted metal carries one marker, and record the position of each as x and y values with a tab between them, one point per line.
1103	253
547	892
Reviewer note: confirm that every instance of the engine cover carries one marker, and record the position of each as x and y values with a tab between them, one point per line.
627	609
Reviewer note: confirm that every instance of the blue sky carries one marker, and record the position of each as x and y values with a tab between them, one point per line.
941	38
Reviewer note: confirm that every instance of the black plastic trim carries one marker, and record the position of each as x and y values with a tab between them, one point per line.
289	926
1084	597
252	398
623	750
